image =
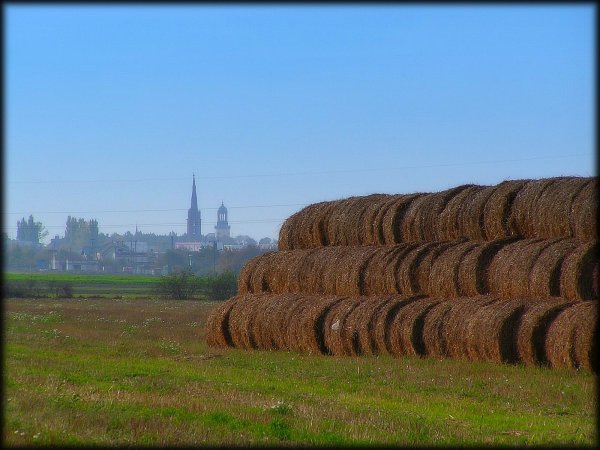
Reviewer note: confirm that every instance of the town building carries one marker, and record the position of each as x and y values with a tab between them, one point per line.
222	229
194	220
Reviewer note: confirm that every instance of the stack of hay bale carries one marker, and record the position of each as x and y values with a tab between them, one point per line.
505	273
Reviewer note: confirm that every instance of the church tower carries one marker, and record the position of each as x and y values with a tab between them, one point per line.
193	220
222	227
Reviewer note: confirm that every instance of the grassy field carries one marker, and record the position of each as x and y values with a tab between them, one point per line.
92	284
117	372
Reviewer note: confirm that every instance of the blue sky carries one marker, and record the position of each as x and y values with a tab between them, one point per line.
110	109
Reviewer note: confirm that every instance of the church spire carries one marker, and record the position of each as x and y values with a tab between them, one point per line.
194	204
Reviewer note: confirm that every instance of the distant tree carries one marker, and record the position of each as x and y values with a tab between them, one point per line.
30	231
179	286
265	241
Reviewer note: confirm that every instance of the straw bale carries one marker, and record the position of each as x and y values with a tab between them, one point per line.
335	258
508	274
454	328
405	330
587	333
239	318
552	210
409	267
471	215
351	268
321	224
579	273
378	223
258	282
497	209
261	319
523	212
294	333
334	323
544	278
379	275
532	330
570	340
309	232
358	323
245	285
369	229
366	342
434	342
473	268
383	320
310	326
265	315
420	220
424	265
444	275
336	232
393	217
360	217
284	317
491	331
217	324
584	212
448	226
245	317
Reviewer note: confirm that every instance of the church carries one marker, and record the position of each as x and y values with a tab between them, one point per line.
194	221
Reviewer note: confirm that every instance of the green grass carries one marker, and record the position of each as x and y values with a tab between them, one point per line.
83	278
122	372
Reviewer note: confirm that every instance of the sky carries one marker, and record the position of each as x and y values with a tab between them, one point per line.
110	110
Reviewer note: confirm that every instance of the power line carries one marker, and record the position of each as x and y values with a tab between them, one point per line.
320	172
149	210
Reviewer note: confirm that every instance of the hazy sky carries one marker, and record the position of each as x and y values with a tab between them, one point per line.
110	109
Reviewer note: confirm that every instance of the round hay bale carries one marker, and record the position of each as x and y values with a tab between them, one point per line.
349	332
584	212
552	210
497	209
544	278
407	274
285	316
508	274
217	325
434	341
473	268
444	278
383	321
335	258
491	331
310	327
533	328
349	268
579	273
471	215
321	222
420	221
423	269
336	225
297	330
448	225
405	331
523	212
245	285
369	227
378	223
260	319
570	338
334	323
258	282
266	315
239	317
379	275
393	217
359	217
454	328
366	342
